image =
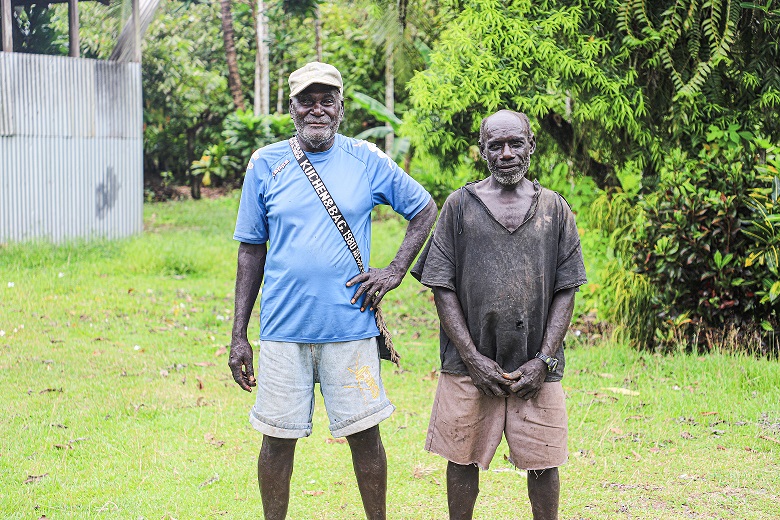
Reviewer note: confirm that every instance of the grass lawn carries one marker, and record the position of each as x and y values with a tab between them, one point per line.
117	401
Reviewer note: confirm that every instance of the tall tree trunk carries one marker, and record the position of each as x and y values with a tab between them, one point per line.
234	80
262	72
280	91
318	32
389	90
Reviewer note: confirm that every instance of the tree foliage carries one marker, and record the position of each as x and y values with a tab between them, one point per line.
610	82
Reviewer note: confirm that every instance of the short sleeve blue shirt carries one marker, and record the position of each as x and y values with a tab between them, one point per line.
304	297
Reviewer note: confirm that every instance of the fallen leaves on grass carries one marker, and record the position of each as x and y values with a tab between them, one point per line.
200	383
599	395
432	376
220	351
709	413
209	482
35	478
624	487
205	364
47	390
69	445
421	470
314	493
331	440
685	476
620	390
211	439
616	431
108	506
686	435
768	438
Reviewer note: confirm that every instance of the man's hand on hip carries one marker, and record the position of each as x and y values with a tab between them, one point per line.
240	363
526	381
375	284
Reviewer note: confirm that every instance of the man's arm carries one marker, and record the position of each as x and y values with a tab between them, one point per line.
249	276
528	379
485	373
377	282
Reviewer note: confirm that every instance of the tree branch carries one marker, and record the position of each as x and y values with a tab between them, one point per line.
562	133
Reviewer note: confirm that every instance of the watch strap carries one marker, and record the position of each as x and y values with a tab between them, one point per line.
551	362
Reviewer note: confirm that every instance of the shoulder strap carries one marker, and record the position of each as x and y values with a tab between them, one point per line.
327	201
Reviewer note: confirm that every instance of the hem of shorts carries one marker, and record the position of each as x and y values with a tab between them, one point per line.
362	423
261	425
367	335
509	459
429	449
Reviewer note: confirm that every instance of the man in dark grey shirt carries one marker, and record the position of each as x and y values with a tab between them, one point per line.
504	264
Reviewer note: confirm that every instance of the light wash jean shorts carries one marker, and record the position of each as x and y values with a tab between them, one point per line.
350	382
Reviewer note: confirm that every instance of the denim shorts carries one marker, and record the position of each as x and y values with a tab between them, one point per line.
350	382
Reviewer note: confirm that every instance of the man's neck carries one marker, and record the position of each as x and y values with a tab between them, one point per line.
491	185
324	147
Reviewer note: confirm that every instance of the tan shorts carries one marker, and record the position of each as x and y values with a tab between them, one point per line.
466	426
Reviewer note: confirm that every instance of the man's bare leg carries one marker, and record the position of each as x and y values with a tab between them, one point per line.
274	470
462	490
370	464
544	489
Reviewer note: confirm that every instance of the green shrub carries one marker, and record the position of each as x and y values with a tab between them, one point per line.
705	242
223	162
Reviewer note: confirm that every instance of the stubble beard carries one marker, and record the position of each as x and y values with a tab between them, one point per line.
512	178
315	137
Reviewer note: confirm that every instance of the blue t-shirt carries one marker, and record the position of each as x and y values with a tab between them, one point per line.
304	297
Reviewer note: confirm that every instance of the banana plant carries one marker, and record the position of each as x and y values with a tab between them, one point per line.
401	146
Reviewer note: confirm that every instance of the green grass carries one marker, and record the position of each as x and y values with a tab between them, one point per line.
115	387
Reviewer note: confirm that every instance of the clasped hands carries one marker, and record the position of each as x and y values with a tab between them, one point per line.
490	378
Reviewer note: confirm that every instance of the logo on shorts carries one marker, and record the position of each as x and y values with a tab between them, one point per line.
365	381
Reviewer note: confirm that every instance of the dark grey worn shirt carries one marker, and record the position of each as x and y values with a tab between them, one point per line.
504	281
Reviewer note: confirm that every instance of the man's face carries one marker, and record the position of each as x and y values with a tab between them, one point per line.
507	145
317	113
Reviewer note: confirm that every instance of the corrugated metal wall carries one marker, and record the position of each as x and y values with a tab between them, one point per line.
71	148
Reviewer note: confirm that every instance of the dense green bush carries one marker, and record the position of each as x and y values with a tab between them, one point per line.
223	162
702	248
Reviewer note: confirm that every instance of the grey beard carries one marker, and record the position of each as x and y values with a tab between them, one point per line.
315	137
511	179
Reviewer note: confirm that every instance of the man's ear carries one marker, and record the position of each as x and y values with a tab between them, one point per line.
533	144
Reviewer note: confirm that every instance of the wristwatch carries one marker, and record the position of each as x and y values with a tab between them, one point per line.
551	362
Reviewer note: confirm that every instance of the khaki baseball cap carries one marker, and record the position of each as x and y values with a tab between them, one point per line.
315	72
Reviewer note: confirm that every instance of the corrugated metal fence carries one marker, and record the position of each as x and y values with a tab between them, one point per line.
71	148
